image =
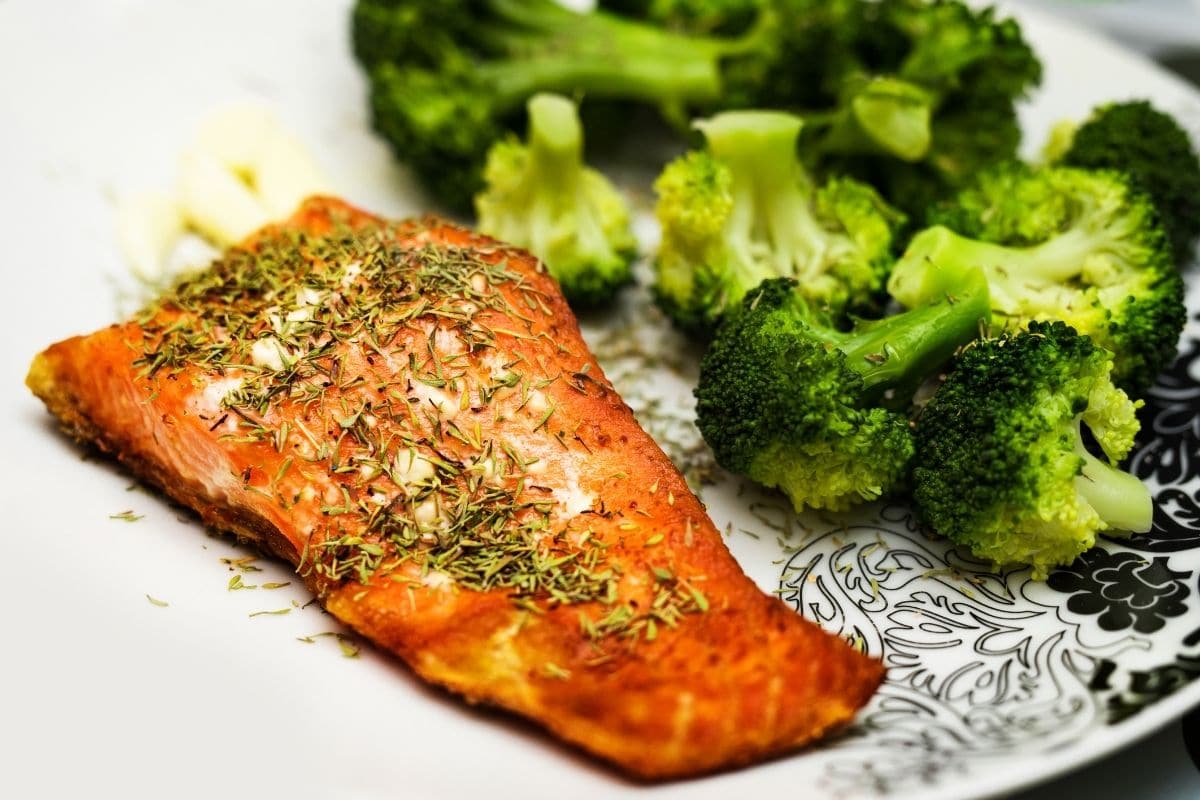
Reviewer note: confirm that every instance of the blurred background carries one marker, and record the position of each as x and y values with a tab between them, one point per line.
1166	30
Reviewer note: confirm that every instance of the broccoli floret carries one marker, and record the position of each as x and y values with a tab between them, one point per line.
540	196
693	16
972	68
957	49
835	62
745	210
801	54
1059	140
1151	146
890	86
1000	464
1060	243
1007	205
422	30
791	402
437	123
449	78
973	135
876	116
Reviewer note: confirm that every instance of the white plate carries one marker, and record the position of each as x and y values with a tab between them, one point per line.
993	684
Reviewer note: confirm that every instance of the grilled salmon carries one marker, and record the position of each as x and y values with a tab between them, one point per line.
407	413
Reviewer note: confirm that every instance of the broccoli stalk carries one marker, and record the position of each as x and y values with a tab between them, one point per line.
442	103
1023	280
880	115
745	210
1121	500
1000	464
789	401
770	193
1060	243
540	196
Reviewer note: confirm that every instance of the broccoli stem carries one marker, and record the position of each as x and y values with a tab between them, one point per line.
1121	500
883	115
555	161
555	141
771	210
898	352
547	47
632	76
1013	271
556	166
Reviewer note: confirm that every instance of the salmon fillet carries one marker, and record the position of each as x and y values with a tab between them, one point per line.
407	413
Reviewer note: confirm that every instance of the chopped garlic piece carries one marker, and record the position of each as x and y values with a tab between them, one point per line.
350	272
242	171
214	394
271	353
427	513
538	403
572	499
410	469
285	175
236	136
446	405
303	314
436	579
216	202
448	342
307	296
148	224
487	469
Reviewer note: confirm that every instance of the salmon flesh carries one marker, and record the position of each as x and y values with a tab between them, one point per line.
407	413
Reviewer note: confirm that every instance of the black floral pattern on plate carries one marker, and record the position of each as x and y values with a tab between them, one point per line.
1125	589
1169	455
1146	687
1170	421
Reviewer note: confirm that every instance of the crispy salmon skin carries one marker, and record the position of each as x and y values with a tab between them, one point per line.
407	413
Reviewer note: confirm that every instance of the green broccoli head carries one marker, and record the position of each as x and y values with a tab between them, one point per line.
1061	243
745	210
921	94
1000	466
803	54
1150	145
1005	205
438	122
958	49
967	136
692	16
539	195
791	402
450	79
423	30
